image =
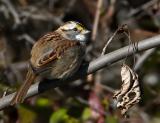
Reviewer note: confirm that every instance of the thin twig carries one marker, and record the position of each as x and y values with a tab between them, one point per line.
41	16
136	14
13	11
27	38
81	100
107	88
108	42
143	58
20	65
143	7
96	19
85	69
121	29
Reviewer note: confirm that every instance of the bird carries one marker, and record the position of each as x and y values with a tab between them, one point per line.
56	55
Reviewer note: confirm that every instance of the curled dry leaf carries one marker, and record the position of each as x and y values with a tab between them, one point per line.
129	94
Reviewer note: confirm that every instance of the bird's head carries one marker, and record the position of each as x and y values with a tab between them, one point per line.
74	31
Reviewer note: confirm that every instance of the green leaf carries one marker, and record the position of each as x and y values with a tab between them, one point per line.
26	115
59	116
43	102
86	114
111	119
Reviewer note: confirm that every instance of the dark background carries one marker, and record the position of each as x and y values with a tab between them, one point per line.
22	22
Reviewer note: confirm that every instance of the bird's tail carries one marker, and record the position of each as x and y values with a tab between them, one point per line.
21	93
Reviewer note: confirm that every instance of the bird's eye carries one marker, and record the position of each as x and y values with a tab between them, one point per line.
75	29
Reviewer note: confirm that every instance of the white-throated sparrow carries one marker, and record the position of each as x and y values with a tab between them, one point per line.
56	55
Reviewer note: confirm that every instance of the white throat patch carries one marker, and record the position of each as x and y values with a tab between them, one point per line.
80	37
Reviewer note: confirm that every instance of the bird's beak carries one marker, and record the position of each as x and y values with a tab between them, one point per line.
85	31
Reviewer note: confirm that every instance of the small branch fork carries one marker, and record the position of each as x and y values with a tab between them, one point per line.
87	68
121	29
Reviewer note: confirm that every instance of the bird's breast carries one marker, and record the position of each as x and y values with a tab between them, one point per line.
66	65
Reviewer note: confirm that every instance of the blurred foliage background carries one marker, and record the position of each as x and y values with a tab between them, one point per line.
88	100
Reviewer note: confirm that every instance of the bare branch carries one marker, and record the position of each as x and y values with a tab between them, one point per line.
143	58
13	11
143	7
96	19
27	37
99	63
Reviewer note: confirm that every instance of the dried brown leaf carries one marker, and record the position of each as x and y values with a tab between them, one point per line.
129	94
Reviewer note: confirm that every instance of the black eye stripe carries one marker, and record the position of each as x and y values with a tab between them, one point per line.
75	29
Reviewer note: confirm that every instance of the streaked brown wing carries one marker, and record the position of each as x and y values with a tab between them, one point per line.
47	58
56	52
50	47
